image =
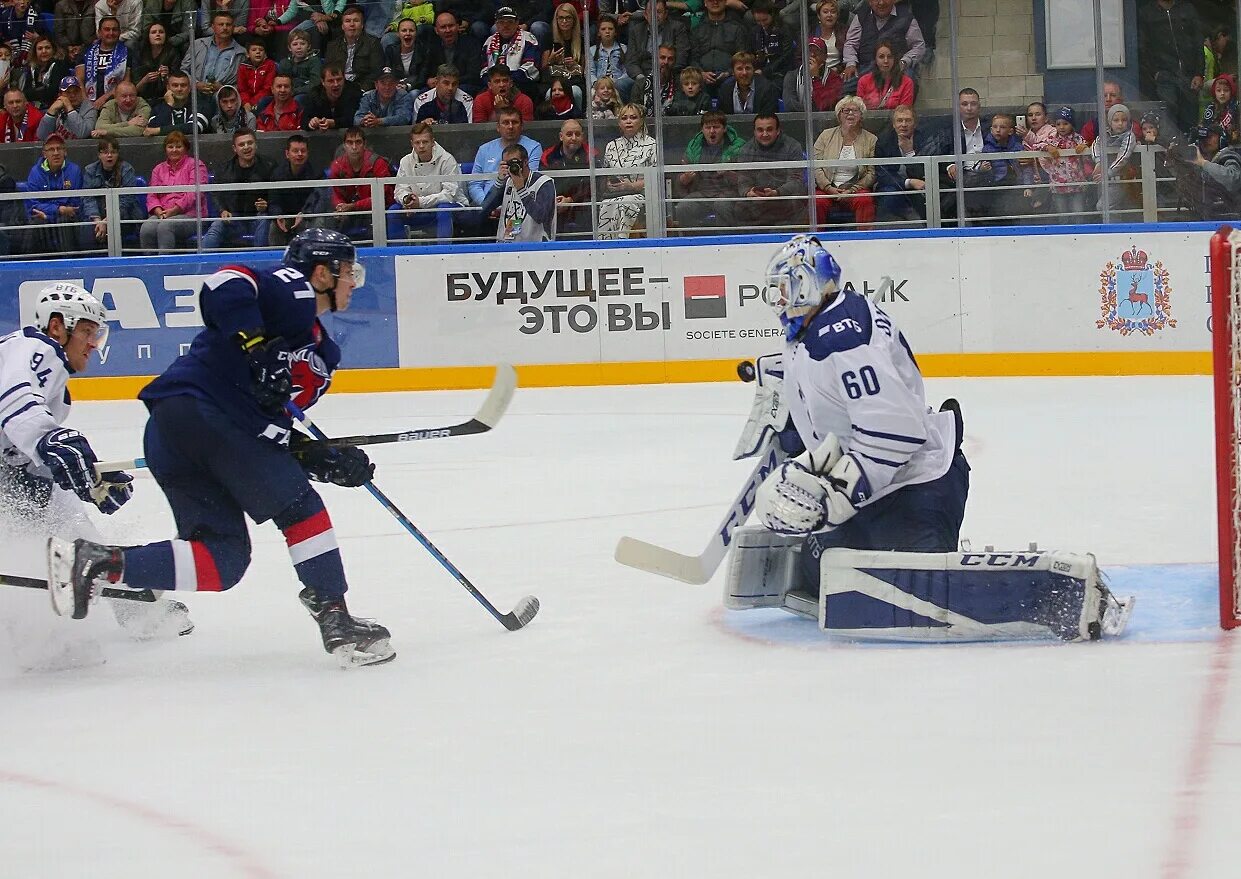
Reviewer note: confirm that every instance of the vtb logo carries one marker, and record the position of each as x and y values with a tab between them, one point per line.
705	296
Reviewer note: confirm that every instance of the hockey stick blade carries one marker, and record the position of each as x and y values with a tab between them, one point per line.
487	417
699	569
145	595
522	614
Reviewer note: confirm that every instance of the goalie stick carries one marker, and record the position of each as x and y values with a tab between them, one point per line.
145	595
487	417
520	615
698	569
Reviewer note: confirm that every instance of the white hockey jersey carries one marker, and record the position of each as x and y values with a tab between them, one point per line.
34	396
852	374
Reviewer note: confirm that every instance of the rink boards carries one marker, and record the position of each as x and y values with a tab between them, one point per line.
1049	301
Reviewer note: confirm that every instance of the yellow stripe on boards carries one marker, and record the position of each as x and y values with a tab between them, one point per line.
550	375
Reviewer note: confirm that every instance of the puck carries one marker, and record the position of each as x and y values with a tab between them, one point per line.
745	371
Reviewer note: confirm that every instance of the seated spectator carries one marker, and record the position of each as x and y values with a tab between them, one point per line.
231	116
673	32
266	28
214	60
238	9
21	118
623	196
7	71
313	18
254	76
559	103
536	18
283	112
606	57
570	153
243	212
826	85
528	204
173	215
55	217
904	139
352	202
487	161
882	20
128	14
1114	152
385	104
773	45
1067	169
517	50
419	202
175	113
156	60
500	93
445	104
832	28
416	12
566	56
705	197
1222	110
180	20
110	171
333	103
714	42
745	93
1037	133
775	197
356	52
126	115
70	115
472	18
449	43
302	66
73	26
847	141
604	103
42	75
105	63
288	207
644	86
886	86
402	58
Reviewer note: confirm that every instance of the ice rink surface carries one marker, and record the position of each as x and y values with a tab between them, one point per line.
635	729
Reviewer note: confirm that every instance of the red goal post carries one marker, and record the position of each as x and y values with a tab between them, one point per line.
1226	364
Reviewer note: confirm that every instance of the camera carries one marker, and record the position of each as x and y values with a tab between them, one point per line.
514	166
1183	152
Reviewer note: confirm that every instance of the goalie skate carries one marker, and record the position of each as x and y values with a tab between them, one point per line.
77	570
354	641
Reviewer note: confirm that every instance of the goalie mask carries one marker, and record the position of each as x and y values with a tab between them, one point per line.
800	277
73	304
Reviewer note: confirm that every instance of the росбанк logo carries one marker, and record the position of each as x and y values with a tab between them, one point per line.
705	296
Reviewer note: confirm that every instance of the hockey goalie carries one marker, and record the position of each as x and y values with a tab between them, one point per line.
860	524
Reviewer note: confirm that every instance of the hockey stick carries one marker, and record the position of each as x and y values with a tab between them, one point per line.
145	595
525	610
487	417
698	569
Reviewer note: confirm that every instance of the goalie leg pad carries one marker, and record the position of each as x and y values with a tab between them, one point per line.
762	568
972	596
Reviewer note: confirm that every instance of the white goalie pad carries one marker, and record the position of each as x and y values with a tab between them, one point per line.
762	568
769	413
967	596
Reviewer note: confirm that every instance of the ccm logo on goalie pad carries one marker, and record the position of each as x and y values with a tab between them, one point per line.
741	511
1004	560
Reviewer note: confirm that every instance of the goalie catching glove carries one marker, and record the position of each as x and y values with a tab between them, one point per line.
348	466
72	462
818	489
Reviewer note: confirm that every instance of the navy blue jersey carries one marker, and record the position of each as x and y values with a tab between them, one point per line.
278	302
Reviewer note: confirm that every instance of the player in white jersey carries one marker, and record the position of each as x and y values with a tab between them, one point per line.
36	450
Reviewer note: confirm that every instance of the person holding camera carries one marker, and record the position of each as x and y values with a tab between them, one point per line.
1219	194
527	202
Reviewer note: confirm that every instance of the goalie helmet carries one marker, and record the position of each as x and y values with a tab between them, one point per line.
73	304
324	247
800	277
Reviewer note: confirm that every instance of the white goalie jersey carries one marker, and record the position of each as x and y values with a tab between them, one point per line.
34	397
852	374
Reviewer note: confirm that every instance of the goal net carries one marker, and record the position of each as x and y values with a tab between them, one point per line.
1226	356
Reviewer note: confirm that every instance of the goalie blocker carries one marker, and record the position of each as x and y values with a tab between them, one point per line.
929	597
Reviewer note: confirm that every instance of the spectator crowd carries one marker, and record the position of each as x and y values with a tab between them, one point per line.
249	70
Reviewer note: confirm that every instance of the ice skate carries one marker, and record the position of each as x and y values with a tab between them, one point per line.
76	572
153	620
352	640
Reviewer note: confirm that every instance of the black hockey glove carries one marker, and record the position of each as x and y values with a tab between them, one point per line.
72	462
348	466
271	374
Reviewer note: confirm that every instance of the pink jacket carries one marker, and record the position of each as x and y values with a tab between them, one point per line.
886	99
164	174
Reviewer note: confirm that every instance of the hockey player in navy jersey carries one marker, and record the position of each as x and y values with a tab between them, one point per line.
37	452
221	445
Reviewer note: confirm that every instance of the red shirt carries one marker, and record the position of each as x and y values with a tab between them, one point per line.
372	166
254	83
24	130
287	119
484	106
